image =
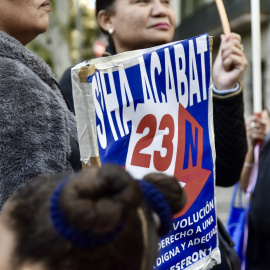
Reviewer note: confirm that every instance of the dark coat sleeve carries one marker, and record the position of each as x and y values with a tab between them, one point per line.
230	138
66	89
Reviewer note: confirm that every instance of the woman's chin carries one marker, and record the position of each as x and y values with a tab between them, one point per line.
42	25
42	28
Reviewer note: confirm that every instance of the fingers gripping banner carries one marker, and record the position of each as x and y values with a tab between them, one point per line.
151	110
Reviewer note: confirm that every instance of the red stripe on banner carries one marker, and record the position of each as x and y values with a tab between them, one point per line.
194	176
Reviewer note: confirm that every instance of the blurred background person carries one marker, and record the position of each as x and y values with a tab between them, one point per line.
38	133
98	219
258	247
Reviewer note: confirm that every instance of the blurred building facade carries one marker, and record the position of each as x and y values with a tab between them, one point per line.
195	17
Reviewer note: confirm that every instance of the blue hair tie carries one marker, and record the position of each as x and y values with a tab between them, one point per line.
159	204
63	227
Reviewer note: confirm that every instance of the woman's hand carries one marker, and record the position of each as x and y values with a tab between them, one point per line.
256	126
230	63
256	129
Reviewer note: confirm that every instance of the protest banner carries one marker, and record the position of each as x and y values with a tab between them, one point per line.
151	111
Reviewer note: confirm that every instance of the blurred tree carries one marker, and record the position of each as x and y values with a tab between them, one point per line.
70	37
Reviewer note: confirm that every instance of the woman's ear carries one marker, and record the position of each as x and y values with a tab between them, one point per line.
104	20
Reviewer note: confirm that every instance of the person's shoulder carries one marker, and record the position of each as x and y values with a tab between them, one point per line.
67	74
8	65
21	84
65	80
13	69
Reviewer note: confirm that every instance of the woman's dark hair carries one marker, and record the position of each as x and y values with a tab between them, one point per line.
104	5
96	201
107	5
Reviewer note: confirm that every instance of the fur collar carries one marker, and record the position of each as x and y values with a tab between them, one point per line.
13	49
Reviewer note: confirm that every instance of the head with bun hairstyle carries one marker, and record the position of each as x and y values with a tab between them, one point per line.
100	219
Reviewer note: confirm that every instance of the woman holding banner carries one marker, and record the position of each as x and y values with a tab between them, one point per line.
135	25
132	25
38	133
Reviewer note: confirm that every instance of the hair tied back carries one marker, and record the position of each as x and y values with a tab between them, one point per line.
64	228
159	204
